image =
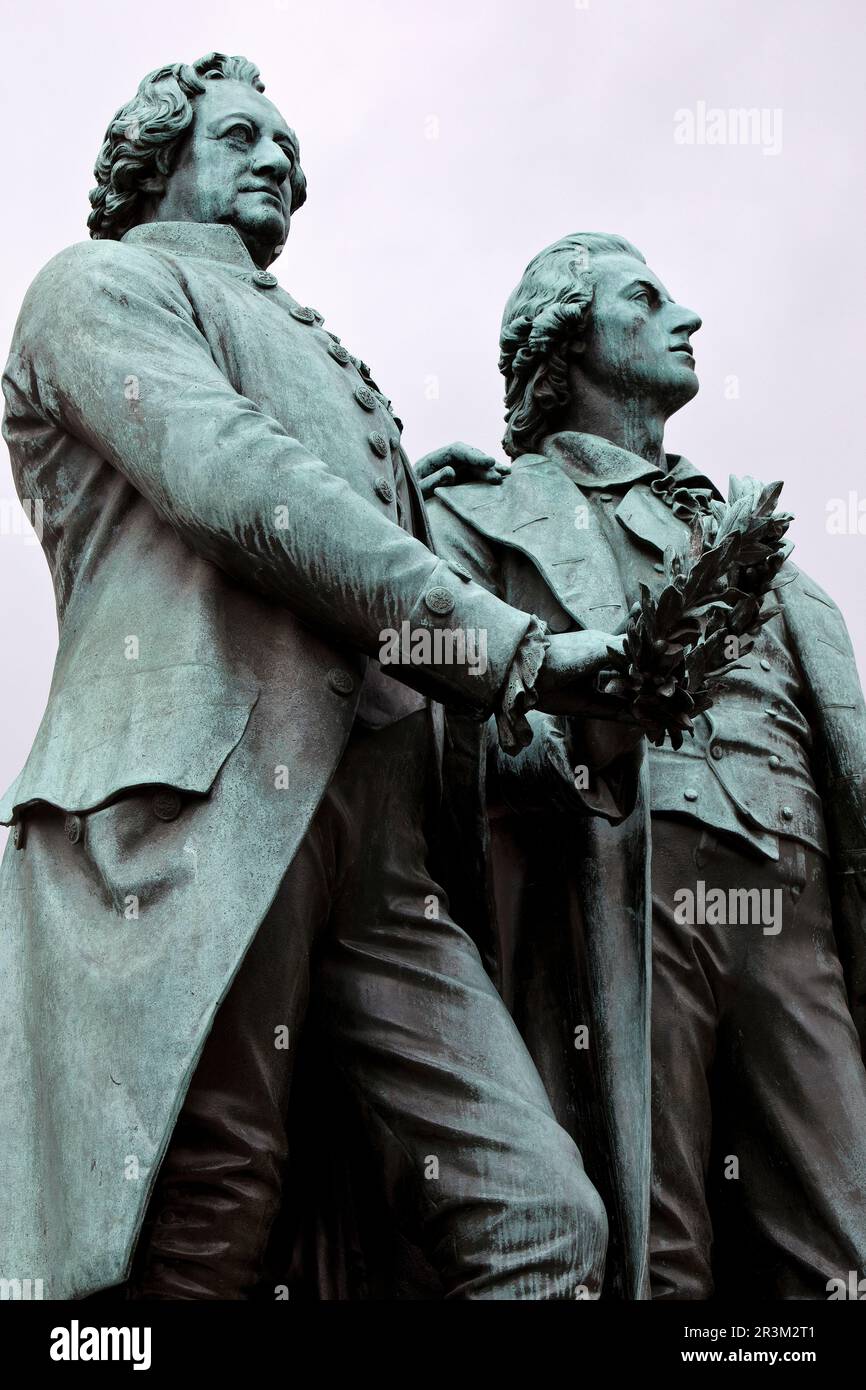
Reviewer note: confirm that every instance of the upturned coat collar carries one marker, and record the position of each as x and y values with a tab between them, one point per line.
593	462
211	241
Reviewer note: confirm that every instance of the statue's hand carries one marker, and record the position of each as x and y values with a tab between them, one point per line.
458	463
568	682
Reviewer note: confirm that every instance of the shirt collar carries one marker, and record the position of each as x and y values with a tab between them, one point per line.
591	461
212	241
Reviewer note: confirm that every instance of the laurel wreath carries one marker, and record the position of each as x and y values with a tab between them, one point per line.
680	644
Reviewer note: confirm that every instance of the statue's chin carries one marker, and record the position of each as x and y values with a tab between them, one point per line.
678	391
261	233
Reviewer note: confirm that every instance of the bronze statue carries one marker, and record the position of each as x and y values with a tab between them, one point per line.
226	779
753	896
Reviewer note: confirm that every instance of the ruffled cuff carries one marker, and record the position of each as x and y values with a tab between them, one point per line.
518	691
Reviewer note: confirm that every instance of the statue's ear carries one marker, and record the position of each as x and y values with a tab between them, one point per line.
156	182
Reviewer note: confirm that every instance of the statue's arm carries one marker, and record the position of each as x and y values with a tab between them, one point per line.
575	765
227	477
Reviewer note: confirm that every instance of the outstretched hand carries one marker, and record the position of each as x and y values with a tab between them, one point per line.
568	682
458	463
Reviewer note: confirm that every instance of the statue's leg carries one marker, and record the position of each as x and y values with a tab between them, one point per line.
687	969
219	1187
798	1113
475	1165
424	1042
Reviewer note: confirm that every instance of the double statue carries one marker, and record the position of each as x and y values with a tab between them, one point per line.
444	881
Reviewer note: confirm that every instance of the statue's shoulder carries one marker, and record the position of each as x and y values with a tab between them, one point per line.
801	586
467	498
90	264
99	259
70	286
497	510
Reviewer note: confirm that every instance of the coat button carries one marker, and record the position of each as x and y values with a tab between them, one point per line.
690	794
659	568
265	279
774	760
717	751
303	313
340	354
765	665
787	813
379	444
439	601
19	834
166	804
72	829
383	489
605	496
340	682
364	396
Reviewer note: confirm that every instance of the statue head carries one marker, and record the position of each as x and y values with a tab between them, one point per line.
199	142
591	331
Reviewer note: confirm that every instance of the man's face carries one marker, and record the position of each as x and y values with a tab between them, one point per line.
638	343
234	167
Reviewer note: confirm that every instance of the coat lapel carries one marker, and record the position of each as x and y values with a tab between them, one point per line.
649	520
539	511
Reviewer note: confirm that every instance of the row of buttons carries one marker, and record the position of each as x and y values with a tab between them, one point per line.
691	795
717	751
166	806
363	395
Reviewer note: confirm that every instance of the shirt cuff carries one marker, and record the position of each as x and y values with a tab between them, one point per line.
518	691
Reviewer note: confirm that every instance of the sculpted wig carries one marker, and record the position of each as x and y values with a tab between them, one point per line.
143	140
549	310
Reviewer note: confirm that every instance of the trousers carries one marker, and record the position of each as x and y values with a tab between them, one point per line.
759	1088
478	1170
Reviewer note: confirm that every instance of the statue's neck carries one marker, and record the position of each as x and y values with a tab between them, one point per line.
629	424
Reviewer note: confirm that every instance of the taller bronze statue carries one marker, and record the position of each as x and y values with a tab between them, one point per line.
225	776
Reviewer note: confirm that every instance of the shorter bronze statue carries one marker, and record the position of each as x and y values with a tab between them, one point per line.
755	909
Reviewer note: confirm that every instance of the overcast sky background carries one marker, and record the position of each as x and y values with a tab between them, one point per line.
444	145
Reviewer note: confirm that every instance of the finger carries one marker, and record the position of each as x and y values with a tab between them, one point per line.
490	475
441	478
468	454
423	466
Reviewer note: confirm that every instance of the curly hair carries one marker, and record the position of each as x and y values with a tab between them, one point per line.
548	310
143	140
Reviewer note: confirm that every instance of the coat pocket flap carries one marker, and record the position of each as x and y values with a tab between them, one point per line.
173	726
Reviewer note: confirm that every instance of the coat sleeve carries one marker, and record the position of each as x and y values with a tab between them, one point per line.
567	766
220	471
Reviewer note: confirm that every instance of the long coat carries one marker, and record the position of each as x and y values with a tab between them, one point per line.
563	901
225	557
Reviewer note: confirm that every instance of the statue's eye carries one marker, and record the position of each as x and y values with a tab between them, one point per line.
239	132
643	295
